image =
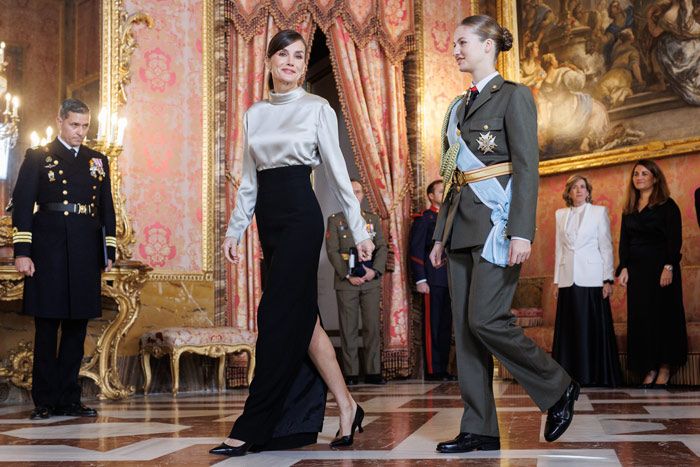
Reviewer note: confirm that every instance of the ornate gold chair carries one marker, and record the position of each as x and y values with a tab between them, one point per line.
216	342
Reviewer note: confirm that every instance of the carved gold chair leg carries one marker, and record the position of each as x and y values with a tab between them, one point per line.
175	370
146	365
221	371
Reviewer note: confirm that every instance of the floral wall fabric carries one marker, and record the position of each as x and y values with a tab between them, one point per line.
441	77
162	159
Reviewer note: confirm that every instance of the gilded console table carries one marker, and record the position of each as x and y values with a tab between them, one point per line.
123	283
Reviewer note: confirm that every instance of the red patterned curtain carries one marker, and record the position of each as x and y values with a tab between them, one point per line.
372	96
368	40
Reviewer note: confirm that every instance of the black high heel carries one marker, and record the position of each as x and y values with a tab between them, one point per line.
344	441
231	451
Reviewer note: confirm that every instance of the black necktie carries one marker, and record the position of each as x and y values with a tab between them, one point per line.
74	152
473	92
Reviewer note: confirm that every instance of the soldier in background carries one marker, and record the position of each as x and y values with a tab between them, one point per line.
61	249
431	282
357	288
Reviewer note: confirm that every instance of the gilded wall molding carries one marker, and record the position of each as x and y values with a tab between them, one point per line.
127	46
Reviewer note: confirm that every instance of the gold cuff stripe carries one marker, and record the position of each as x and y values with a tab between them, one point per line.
483	173
21	240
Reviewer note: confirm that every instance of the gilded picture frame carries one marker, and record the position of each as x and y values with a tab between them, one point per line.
632	146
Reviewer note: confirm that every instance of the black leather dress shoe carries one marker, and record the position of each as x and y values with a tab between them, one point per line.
559	415
76	410
375	379
40	413
449	377
467	442
351	380
224	449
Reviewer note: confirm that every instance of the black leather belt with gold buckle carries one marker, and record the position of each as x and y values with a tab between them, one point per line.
69	208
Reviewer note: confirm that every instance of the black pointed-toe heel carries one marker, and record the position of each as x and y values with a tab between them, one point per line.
231	451
344	441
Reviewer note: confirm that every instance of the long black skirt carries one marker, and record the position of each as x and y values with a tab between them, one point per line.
287	399
584	337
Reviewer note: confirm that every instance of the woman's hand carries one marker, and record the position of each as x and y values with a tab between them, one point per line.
365	249
518	252
623	277
666	277
230	247
607	290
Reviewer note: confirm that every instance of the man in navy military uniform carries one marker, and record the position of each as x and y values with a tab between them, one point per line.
61	249
432	283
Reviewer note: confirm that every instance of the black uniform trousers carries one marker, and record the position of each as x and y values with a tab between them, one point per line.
56	367
287	398
438	329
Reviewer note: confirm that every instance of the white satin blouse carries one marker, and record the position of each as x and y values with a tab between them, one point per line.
294	128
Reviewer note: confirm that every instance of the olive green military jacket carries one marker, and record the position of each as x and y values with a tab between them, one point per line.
506	110
339	241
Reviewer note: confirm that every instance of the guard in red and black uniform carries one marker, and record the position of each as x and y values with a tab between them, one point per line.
61	249
432	283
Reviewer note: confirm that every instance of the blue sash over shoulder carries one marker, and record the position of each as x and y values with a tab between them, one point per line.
489	191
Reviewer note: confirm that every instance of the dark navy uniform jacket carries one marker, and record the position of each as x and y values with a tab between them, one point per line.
420	247
66	248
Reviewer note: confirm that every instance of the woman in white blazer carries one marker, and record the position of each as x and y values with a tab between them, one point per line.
584	338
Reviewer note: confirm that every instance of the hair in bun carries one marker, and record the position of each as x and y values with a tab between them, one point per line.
486	27
507	37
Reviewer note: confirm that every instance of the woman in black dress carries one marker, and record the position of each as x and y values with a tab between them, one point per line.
286	136
650	255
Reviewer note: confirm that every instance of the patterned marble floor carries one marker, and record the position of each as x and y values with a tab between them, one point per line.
404	421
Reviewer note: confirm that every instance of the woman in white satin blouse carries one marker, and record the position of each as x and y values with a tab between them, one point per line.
286	136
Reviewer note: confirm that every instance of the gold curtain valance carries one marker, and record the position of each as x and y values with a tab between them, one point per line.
390	22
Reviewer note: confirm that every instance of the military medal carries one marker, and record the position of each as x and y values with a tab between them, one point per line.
370	230
96	168
487	142
52	177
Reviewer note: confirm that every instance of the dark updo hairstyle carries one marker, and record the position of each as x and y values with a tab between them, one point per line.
487	28
278	42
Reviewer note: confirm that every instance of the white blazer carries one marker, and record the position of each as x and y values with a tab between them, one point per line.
588	261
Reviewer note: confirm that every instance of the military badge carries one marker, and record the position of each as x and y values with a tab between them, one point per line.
50	163
52	176
487	142
96	168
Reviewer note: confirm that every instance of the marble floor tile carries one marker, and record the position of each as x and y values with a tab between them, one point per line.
404	421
